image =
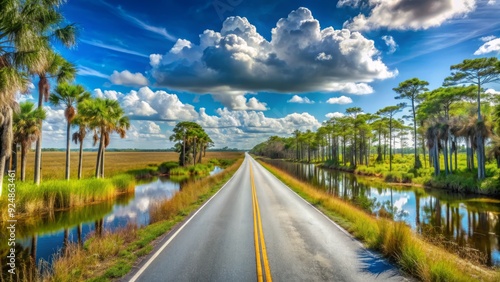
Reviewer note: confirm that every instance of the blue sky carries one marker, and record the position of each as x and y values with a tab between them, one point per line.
246	70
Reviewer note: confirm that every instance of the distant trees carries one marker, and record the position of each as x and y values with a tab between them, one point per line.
442	120
191	142
389	112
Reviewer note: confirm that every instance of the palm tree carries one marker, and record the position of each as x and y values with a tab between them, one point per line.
105	116
68	96
19	50
79	136
205	141
26	130
58	68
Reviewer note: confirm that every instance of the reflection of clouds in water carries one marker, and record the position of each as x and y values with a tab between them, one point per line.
145	195
143	204
401	202
216	170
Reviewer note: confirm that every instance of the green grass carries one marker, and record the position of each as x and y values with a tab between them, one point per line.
198	169
55	195
393	239
164	168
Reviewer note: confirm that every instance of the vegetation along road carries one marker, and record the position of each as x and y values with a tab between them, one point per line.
256	228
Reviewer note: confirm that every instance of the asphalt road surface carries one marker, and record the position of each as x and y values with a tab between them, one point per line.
256	229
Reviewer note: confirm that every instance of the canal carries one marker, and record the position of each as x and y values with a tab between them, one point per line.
43	237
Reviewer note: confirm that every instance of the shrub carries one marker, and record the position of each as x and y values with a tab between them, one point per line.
165	167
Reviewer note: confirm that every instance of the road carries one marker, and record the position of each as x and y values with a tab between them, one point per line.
256	229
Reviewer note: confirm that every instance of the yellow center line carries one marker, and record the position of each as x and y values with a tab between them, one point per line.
258	229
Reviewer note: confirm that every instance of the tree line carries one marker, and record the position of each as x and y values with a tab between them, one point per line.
458	113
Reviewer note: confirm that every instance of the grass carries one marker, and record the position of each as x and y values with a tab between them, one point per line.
112	256
53	195
198	169
203	169
394	240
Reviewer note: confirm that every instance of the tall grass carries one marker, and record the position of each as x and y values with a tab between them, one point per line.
190	193
112	255
394	240
55	195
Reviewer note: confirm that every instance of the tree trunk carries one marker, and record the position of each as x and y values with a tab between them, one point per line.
468	152
194	152
418	164
99	157
24	151
481	170
2	168
200	153
14	157
390	144
68	144
5	140
38	150
80	160
435	156
103	154
450	144
445	156
38	158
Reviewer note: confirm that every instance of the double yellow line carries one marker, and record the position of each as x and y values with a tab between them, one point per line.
259	235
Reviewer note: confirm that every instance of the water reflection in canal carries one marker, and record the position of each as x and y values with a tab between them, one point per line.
44	236
471	222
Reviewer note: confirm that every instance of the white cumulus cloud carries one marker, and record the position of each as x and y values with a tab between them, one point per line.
334	115
407	14
240	103
127	78
492	91
389	41
146	103
300	57
342	100
489	47
155	59
300	100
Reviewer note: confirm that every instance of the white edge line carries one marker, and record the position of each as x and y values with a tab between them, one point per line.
146	265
